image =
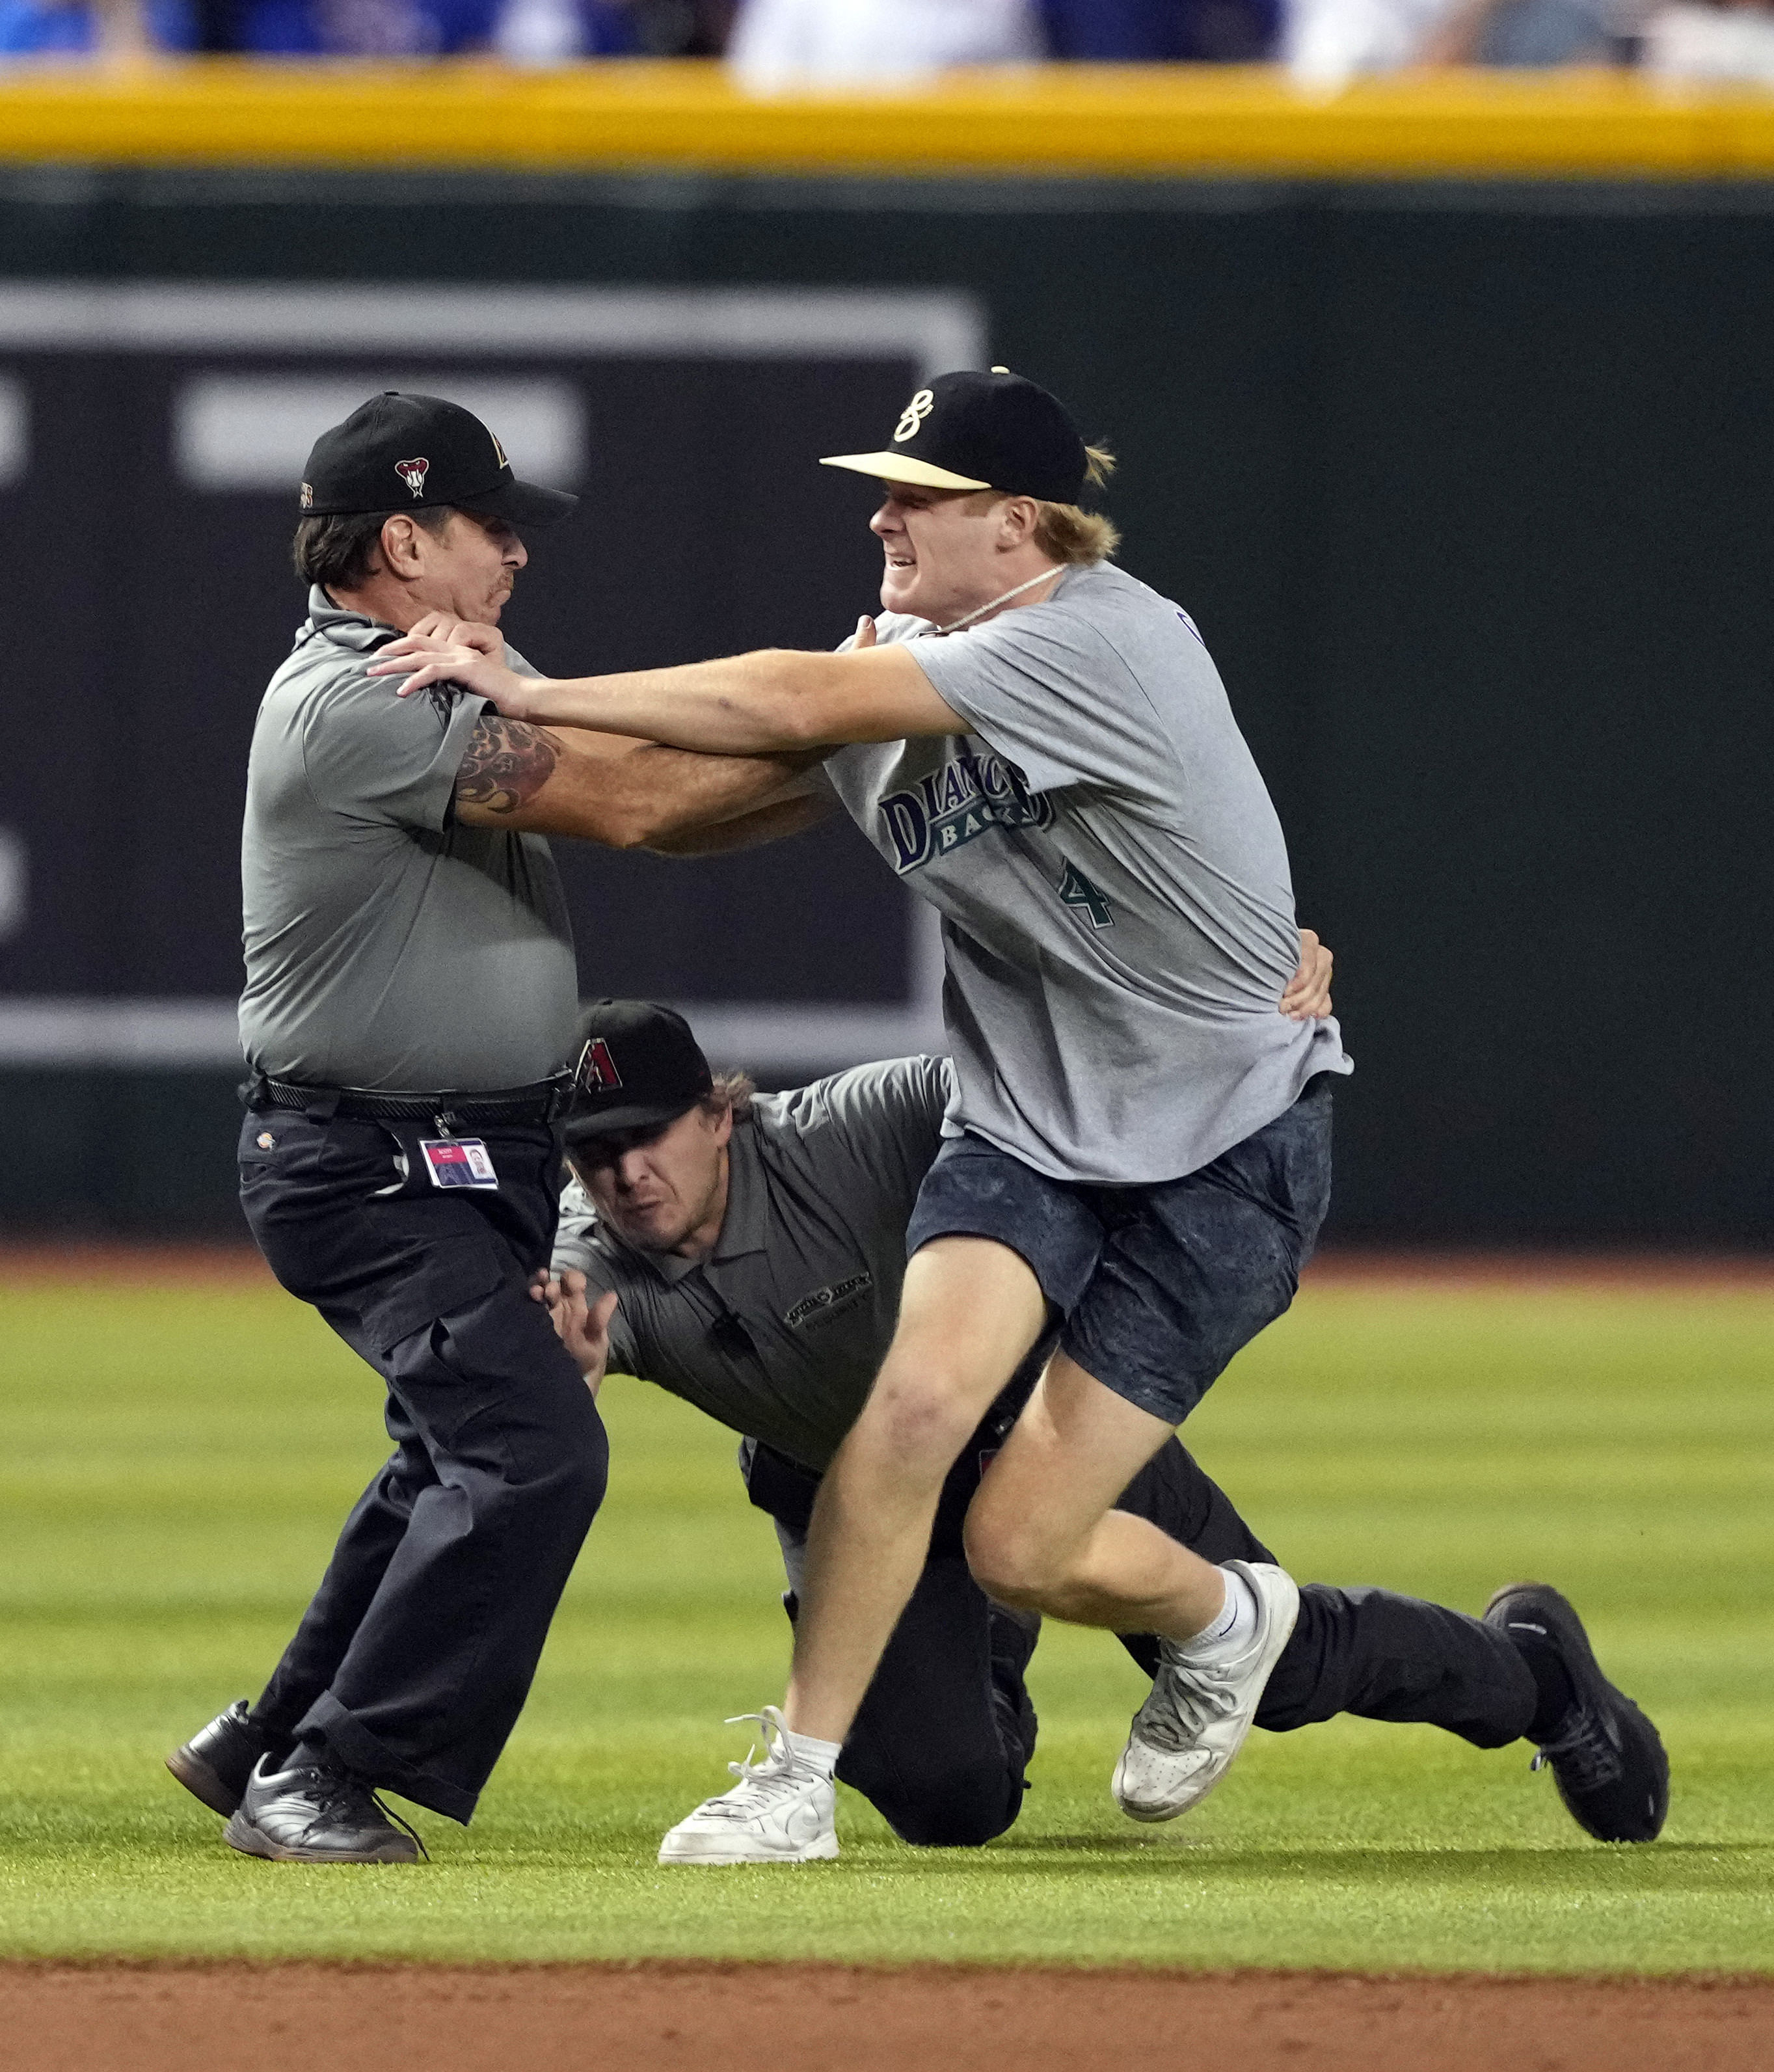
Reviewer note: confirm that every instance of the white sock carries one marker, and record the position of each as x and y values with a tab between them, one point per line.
1231	1633
810	1753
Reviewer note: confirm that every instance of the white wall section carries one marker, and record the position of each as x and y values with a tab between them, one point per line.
253	431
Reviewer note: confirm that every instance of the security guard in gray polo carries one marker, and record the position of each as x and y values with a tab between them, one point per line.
755	1245
408	1016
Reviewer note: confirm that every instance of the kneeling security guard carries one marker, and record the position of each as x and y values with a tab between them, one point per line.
747	1253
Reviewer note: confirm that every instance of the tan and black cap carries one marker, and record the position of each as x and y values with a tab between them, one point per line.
971	430
400	452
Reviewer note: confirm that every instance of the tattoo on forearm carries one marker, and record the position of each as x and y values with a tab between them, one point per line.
508	762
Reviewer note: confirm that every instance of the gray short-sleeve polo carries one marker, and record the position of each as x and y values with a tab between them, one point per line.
388	946
809	1264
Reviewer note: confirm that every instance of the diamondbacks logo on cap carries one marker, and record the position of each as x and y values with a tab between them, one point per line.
307	496
912	417
498	448
413	473
597	1073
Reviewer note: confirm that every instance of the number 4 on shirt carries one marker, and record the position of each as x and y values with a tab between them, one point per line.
1076	890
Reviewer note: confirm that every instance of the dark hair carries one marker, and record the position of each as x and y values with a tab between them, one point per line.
341	551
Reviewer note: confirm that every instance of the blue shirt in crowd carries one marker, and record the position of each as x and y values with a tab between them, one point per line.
1133	31
310	28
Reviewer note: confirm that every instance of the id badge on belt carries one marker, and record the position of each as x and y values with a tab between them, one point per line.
458	1161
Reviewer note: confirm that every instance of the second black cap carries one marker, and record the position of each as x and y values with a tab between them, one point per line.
973	430
401	452
638	1065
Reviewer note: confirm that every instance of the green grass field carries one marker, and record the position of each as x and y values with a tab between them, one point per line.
175	1465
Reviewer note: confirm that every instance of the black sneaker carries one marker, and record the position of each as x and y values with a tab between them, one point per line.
214	1764
1605	1755
1012	1638
312	1814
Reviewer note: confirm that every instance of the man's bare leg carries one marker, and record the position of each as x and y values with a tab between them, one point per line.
970	1312
1042	1533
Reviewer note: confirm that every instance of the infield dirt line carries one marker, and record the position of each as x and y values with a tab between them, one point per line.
659	2017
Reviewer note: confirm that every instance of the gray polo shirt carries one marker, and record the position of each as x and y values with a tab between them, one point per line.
1118	915
779	1332
386	945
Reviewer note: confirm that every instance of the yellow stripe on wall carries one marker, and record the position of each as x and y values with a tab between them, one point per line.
1130	120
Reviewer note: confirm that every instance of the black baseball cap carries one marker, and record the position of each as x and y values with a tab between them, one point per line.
638	1065
981	431
398	452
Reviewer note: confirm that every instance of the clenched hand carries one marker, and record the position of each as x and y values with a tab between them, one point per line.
443	649
1308	995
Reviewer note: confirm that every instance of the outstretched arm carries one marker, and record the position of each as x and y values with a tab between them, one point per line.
788	816
626	794
778	699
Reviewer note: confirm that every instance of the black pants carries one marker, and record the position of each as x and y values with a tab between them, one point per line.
941	1743
414	1660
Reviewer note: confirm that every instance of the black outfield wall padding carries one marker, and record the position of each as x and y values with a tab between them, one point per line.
1468	486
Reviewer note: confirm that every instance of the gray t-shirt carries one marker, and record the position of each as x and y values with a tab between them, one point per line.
779	1332
1118	916
388	946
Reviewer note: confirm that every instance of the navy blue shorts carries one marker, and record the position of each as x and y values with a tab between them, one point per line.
1159	1284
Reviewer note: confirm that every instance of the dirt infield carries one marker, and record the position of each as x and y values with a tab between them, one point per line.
680	2018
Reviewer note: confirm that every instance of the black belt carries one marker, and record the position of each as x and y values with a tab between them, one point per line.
540	1103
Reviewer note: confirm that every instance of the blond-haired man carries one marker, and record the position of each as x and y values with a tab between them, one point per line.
1040	745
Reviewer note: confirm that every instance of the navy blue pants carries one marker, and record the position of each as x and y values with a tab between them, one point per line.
414	1657
942	1744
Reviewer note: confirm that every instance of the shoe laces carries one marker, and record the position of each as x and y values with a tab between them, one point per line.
1581	1753
1187	1698
405	1827
338	1792
765	1780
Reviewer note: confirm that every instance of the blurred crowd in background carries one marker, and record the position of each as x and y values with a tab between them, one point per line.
777	45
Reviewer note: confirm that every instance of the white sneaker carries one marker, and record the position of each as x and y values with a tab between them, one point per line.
1185	1735
779	1812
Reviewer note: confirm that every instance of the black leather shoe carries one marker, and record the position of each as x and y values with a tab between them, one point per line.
214	1764
310	1814
1605	1757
